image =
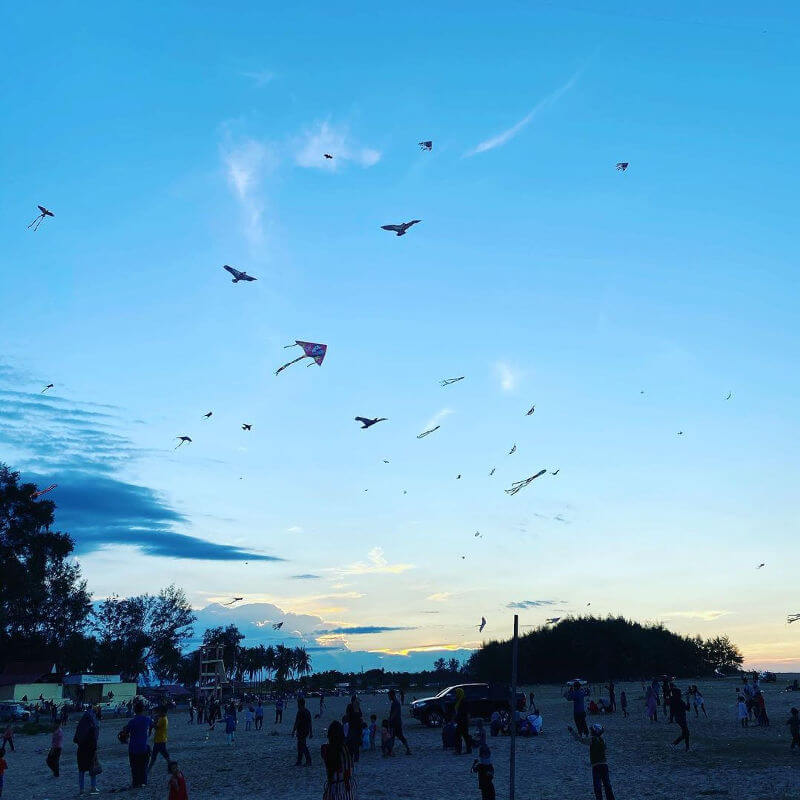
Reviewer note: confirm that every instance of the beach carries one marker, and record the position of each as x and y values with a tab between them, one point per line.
724	761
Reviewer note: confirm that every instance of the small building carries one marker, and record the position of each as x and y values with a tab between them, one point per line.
94	689
29	681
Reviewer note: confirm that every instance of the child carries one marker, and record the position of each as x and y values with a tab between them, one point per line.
177	783
623	702
56	746
794	727
373	730
3	768
495	723
230	726
597	757
387	740
483	766
741	711
248	718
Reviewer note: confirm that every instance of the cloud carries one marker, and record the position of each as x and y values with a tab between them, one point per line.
535	603
706	616
437	418
501	138
440	597
246	165
425	648
306	576
326	138
295	529
508	376
362	630
260	77
376	563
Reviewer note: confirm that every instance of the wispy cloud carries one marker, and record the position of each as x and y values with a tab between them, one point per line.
437	418
259	77
508	375
535	603
376	563
425	648
501	138
706	616
362	630
295	529
440	597
306	576
323	137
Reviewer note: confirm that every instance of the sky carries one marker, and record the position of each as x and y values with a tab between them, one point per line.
626	306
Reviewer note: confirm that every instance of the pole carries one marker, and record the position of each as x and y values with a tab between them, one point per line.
513	776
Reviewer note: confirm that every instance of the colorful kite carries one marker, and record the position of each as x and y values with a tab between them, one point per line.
38	221
426	146
310	350
44	491
517	485
622	166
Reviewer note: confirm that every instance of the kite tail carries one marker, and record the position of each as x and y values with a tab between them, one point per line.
287	346
288	364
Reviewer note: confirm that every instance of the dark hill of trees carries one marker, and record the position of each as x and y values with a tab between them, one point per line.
598	649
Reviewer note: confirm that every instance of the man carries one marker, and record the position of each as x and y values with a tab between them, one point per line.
612	696
678	709
138	729
396	720
259	716
302	729
279	710
577	694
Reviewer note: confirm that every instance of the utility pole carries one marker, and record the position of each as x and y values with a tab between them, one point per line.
513	777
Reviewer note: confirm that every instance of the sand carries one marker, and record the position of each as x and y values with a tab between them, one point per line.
725	761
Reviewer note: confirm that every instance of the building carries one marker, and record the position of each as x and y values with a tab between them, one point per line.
94	689
29	681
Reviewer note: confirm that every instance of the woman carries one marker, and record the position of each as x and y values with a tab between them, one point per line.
340	783
86	738
355	724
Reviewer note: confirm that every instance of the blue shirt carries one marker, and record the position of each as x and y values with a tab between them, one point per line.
138	728
577	696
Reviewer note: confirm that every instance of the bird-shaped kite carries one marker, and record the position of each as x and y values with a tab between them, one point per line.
246	426
400	229
310	350
761	565
368	423
482	625
513	450
209	415
517	485
235	600
555	472
622	165
327	155
448	381
276	626
38	221
182	440
40	492
426	146
238	275
427	432
49	386
531	410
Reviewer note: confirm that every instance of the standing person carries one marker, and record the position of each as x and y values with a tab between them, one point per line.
248	718
191	712
3	768
177	783
340	782
577	694
373	730
761	709
794	727
302	729
355	724
623	703
749	694
396	720
612	696
8	737
138	729
483	767
86	738
259	716
160	738
678	709
531	700
230	724
56	746
279	709
462	723
651	704
741	711
321	702
402	696
597	758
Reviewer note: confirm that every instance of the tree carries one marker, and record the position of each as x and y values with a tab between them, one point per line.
302	661
453	665
721	653
440	665
44	601
230	639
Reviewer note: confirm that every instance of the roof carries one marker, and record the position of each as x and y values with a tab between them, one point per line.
27	672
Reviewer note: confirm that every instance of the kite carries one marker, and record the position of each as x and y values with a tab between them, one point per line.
385	461
448	381
209	415
482	625
426	146
368	423
276	626
730	394
400	229
532	409
552	620
792	618
235	600
183	440
517	485
327	155
556	471
238	275
622	166
49	386
492	472
761	565
458	477
680	433
38	221
310	350
40	492
246	426
425	433
478	535
513	450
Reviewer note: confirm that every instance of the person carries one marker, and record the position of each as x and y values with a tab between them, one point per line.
373	730
302	729
340	782
623	703
760	706
495	723
535	722
160	738
248	718
3	768
191	713
387	741
462	723
530	699
176	783
651	704
259	716
597	757
697	701
137	731
794	727
485	771
230	724
749	695
8	738
321	702
678	709
396	720
279	710
612	696
402	696
741	711
577	694
56	746
85	737
355	722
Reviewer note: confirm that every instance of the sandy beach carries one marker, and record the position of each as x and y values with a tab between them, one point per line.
725	760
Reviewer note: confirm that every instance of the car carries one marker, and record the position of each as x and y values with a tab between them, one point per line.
767	677
482	700
13	712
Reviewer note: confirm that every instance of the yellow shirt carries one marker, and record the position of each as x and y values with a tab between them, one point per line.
161	730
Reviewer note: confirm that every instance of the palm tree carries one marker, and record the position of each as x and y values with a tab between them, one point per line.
302	661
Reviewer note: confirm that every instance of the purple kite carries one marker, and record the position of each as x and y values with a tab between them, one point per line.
310	350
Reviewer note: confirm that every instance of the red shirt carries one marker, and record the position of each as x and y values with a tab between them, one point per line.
177	788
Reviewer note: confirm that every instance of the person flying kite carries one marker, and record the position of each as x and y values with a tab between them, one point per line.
310	350
400	229
426	146
238	275
38	221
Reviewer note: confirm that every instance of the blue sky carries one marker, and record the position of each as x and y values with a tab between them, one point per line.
170	141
